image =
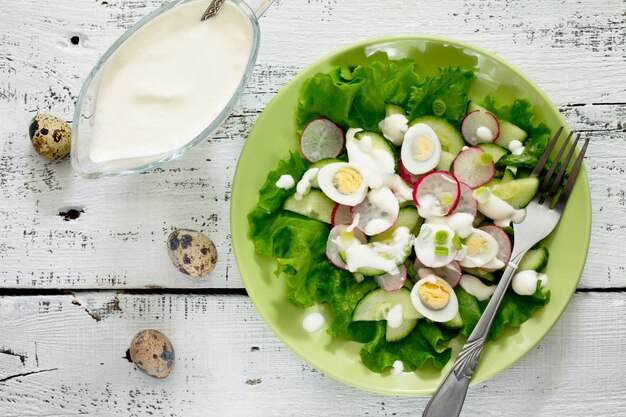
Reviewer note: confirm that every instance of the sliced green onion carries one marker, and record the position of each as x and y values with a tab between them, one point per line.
439	107
441	236
441	250
446	199
456	242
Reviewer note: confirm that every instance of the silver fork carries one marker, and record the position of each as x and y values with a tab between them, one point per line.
542	215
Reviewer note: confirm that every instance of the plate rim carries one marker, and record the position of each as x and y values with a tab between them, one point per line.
235	232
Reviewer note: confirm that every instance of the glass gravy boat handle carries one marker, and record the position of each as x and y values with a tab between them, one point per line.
262	7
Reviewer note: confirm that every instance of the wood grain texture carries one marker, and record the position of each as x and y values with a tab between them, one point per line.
64	355
119	241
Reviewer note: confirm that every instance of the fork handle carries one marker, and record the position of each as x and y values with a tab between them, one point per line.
448	400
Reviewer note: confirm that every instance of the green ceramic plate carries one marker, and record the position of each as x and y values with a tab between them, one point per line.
273	136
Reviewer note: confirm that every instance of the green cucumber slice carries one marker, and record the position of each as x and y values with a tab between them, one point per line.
496	151
508	175
314	205
455	323
535	259
480	273
407	217
449	137
392	109
445	163
394	334
517	193
375	305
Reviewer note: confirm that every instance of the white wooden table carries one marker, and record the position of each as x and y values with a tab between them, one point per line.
73	293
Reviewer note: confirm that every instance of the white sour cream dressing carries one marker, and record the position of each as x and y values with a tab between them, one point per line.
379	255
516	147
476	287
394	127
402	190
497	209
397	368
525	282
313	322
168	82
286	182
394	316
376	162
304	185
484	134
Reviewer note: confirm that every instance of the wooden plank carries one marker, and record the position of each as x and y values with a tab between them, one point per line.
118	241
64	355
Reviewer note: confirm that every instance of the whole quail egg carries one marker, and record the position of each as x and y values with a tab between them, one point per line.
193	253
152	352
51	137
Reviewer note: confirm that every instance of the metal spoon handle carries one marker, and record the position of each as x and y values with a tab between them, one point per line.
212	10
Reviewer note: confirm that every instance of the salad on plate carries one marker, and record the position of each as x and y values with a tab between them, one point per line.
396	213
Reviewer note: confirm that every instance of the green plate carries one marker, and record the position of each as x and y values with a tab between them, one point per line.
273	136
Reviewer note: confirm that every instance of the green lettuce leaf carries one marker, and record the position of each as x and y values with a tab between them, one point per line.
346	293
451	86
356	96
271	198
425	342
522	114
514	310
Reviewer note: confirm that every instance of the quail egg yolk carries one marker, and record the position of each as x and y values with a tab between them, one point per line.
347	180
435	296
422	148
475	244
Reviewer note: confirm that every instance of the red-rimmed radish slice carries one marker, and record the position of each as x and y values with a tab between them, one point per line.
341	215
321	139
378	212
467	203
441	188
406	175
474	167
480	126
504	244
392	282
346	239
450	272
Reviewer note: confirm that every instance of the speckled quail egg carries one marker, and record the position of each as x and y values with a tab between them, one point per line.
152	352
191	252
51	137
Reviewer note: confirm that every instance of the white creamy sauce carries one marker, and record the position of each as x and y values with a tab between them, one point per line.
397	368
379	255
286	182
377	163
516	147
402	190
313	322
525	282
429	206
394	127
461	223
168	82
394	316
484	134
384	199
476	287
304	185
497	209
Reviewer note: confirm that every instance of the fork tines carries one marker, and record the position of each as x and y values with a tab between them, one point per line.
548	194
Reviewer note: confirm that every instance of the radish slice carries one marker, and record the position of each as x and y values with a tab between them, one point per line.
467	203
341	215
474	167
321	139
392	282
451	272
480	126
407	176
346	240
378	212
437	192
504	244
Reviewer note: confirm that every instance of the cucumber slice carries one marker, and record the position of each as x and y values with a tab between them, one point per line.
496	151
376	304
508	175
449	137
392	109
314	205
480	273
535	259
517	193
508	131
394	334
455	323
445	163
407	217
